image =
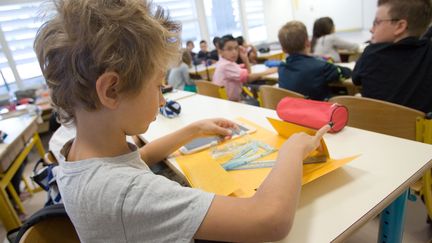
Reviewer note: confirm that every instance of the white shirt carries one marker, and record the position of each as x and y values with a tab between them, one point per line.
327	46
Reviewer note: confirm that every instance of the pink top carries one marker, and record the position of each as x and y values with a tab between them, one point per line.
231	76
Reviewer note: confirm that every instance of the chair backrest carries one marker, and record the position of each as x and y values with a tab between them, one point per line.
380	116
210	89
49	158
270	96
50	224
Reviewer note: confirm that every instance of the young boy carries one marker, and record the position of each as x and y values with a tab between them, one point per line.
204	54
301	72
231	75
105	76
397	66
190	46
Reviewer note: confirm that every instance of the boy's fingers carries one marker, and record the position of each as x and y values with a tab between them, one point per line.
320	133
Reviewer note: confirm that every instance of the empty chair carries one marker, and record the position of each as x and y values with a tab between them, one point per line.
391	119
270	96
210	89
49	224
380	116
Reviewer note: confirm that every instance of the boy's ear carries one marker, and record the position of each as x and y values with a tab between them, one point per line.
401	27
107	89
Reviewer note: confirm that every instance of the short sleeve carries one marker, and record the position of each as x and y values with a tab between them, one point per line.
243	75
233	72
156	209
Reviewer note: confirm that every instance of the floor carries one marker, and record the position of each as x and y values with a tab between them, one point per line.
416	228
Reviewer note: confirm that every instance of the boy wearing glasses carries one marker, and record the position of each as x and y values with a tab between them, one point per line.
397	66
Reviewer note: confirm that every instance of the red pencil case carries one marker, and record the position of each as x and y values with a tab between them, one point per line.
313	114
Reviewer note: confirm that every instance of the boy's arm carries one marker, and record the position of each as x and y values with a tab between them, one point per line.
253	76
161	148
269	214
331	73
342	44
256	76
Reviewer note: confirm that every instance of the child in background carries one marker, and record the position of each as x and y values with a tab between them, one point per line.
179	76
325	42
190	46
204	54
214	54
231	75
301	72
397	65
250	50
106	76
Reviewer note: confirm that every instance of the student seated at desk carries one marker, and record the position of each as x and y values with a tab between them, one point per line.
250	50
397	66
301	72
204	55
105	77
190	46
214	54
231	75
179	76
325	42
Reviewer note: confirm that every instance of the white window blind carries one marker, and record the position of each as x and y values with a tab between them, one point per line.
255	20
19	22
223	17
183	11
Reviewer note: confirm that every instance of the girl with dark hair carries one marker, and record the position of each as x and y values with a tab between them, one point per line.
325	42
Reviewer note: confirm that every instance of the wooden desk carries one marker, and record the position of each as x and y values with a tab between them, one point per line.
203	71
261	68
351	56
272	55
335	205
177	94
22	137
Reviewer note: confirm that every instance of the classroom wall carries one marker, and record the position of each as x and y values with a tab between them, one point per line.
276	14
348	15
369	9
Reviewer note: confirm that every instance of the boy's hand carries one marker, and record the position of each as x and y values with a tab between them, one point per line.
304	142
211	127
243	53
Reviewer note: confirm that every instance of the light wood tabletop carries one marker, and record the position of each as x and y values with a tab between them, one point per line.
335	205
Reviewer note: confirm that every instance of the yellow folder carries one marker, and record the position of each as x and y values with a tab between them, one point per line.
203	172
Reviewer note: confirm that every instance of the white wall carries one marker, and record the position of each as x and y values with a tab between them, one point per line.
276	14
369	9
347	14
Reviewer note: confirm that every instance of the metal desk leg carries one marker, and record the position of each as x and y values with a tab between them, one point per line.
7	212
392	221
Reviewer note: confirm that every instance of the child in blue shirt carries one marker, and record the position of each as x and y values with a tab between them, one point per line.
301	72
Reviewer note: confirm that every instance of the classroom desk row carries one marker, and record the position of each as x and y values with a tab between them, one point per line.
202	71
335	205
22	136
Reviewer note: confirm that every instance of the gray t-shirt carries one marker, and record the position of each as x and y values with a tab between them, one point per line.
119	199
179	77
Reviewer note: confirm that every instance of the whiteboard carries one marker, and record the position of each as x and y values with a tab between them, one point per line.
347	15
